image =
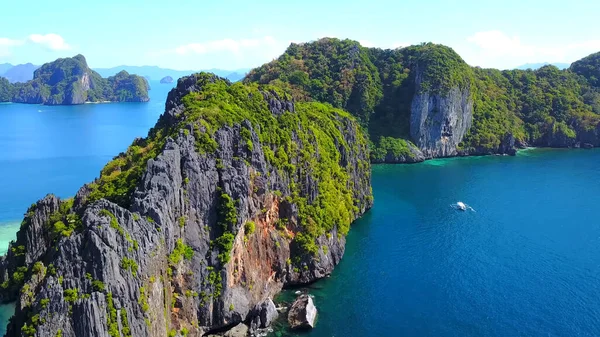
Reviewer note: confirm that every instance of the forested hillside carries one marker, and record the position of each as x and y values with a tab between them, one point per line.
387	90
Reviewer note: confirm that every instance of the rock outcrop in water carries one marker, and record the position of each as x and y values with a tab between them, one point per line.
303	313
195	228
166	80
70	81
264	314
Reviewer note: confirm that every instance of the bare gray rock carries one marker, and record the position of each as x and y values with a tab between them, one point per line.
438	122
264	314
303	313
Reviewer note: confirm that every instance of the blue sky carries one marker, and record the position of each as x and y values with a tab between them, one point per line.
200	34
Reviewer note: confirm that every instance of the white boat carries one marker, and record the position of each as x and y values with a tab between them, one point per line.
461	206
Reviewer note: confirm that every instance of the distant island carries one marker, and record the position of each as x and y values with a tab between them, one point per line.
166	80
18	73
69	81
24	72
535	66
155	72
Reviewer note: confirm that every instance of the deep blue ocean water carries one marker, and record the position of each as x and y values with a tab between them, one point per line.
526	263
57	149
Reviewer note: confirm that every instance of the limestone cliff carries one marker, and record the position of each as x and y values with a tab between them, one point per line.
220	215
439	121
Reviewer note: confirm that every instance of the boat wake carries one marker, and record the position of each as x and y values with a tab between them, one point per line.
461	206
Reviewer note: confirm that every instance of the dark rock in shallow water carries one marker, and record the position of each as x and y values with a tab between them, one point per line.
588	146
303	313
264	314
507	146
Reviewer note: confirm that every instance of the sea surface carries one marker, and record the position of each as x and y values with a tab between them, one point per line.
56	149
526	262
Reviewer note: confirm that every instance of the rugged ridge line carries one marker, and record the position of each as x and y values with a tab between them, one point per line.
213	228
424	101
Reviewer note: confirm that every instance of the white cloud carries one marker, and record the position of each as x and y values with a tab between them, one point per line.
225	53
397	45
225	45
6	42
366	43
50	41
496	49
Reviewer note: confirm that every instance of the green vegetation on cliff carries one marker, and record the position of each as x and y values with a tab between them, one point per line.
338	72
301	143
588	67
376	86
316	127
6	90
71	81
545	107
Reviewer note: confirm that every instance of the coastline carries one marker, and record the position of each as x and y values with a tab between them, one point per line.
84	103
519	152
99	102
8	232
441	161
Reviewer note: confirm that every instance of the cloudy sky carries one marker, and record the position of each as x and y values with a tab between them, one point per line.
227	34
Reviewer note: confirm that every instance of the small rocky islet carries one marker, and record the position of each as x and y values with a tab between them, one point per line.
166	80
243	189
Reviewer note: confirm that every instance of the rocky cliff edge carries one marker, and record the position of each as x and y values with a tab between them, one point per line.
195	238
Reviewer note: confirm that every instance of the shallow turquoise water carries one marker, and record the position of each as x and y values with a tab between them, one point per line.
57	149
526	263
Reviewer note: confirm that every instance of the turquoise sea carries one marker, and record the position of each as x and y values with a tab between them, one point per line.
526	263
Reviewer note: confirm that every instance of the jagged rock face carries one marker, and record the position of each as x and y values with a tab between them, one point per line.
438	122
588	136
303	313
118	271
264	314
